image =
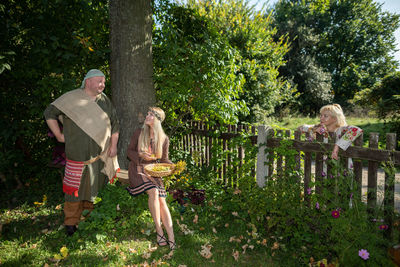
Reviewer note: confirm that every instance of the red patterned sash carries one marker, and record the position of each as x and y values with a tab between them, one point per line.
72	177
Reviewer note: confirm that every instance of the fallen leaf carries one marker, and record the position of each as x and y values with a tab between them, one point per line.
132	250
227	225
118	208
244	247
57	257
58	207
235	214
275	246
235	255
146	255
214	230
152	249
206	251
201	228
169	255
196	218
237	191
64	251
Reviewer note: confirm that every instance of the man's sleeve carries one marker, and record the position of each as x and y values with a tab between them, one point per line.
52	113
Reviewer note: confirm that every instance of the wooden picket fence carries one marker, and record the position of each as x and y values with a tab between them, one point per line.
201	141
209	144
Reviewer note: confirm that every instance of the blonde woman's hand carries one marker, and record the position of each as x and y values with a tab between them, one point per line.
335	152
146	156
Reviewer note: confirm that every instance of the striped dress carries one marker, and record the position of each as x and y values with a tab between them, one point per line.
139	182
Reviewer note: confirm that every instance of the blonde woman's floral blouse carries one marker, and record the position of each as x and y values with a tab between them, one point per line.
345	135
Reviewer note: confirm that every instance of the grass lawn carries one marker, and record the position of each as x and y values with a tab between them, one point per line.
221	232
32	235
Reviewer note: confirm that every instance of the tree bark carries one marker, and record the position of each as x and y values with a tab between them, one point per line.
131	66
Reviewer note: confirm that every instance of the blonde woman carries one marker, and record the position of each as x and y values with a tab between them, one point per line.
148	145
332	120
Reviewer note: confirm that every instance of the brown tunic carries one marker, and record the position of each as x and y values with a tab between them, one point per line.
139	181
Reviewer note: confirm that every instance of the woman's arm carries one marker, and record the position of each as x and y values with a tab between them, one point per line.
132	151
347	136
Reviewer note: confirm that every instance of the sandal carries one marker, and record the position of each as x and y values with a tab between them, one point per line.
172	245
162	241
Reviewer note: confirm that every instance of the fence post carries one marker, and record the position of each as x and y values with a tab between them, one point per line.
297	137
372	174
358	168
262	167
319	168
389	188
307	172
253	171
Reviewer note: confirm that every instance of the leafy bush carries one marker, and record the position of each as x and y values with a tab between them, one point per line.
384	98
116	209
298	228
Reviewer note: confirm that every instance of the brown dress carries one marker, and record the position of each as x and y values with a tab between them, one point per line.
140	182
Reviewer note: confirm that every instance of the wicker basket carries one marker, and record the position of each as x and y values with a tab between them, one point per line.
148	169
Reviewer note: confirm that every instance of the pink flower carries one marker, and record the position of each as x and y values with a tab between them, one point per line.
323	174
308	191
363	253
335	214
317	206
383	227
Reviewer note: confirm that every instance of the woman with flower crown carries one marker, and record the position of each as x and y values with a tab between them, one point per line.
149	145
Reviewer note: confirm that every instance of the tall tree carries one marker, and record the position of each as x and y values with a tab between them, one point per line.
195	68
312	80
131	66
251	33
354	40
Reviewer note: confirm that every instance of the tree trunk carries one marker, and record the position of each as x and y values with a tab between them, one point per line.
131	67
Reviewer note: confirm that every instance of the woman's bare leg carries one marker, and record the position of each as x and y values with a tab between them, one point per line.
167	221
154	207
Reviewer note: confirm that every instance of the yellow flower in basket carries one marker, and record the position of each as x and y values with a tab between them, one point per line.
159	169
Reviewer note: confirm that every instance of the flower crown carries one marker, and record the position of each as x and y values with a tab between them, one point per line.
156	114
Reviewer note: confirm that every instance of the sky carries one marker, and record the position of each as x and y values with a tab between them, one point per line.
392	6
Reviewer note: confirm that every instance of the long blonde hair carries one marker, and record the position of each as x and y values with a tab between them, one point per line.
159	135
336	111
